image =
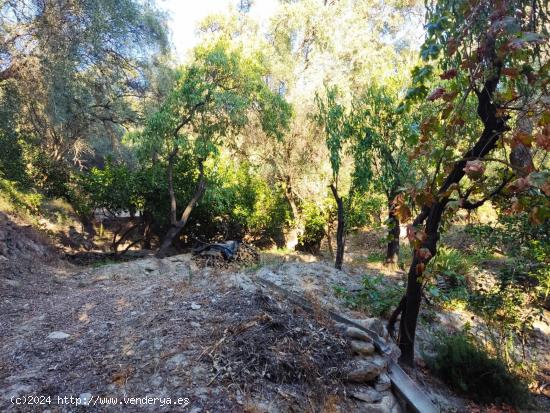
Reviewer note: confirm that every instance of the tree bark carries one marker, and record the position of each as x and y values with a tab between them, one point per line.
392	252
171	192
340	229
494	127
147	229
289	195
175	230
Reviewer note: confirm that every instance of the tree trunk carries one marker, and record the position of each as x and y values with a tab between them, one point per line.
392	253
147	229
175	230
340	229
329	238
494	127
171	192
289	195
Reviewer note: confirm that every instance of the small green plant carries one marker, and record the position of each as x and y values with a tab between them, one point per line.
376	256
451	263
467	368
103	262
376	297
449	270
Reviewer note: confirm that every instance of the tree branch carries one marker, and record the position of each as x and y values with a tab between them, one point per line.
465	204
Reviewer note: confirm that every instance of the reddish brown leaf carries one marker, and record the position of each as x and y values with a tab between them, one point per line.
519	185
523	137
436	94
403	212
448	74
510	72
457	121
474	169
535	216
452	46
467	64
446	111
447	97
543	141
424	254
411	233
516	206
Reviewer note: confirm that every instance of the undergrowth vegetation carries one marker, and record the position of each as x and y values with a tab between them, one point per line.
377	297
467	368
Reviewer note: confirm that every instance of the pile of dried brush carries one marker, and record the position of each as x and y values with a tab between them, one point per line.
246	255
276	346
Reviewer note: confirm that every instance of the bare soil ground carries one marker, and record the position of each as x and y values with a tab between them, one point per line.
175	328
160	328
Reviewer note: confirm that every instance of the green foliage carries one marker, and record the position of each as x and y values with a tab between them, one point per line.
115	188
333	118
238	203
385	138
508	314
84	72
315	221
525	242
364	208
213	99
467	368
21	200
12	163
376	297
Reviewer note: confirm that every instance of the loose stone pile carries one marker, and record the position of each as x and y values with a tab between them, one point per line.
368	369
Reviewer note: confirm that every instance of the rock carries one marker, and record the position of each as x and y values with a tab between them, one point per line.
368	395
374	324
15	390
156	381
194	324
362	347
396	409
175	361
383	382
195	306
85	398
12	283
341	327
387	405
355	333
365	370
58	335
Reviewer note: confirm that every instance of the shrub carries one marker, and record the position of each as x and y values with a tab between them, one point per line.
314	228
365	210
467	368
20	200
508	315
376	297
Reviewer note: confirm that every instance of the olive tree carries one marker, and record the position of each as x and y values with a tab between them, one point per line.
214	98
